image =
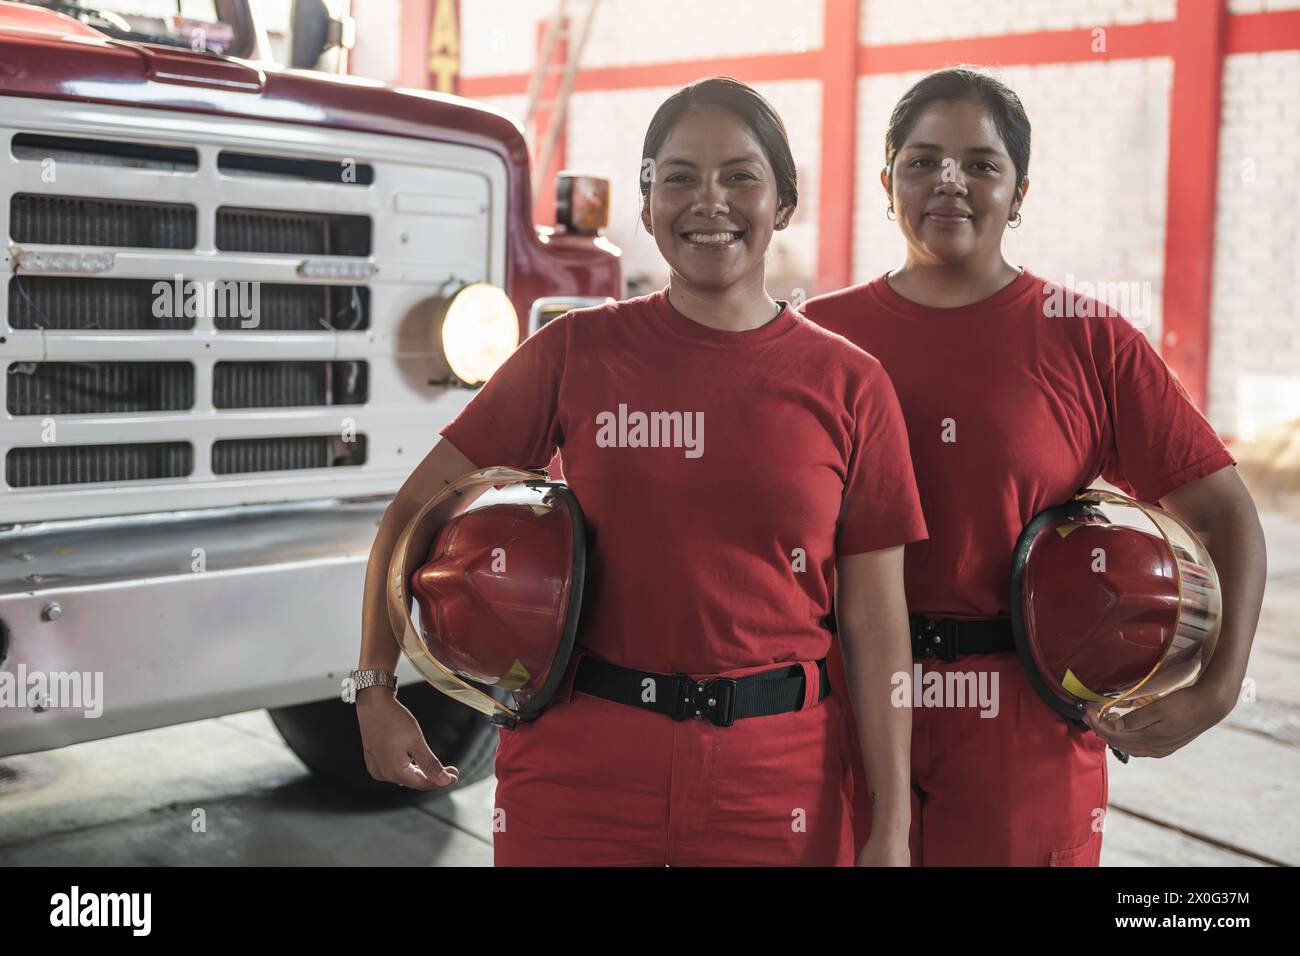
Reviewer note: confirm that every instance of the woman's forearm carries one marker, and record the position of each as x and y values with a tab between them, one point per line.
443	465
1222	513
873	654
379	650
1235	541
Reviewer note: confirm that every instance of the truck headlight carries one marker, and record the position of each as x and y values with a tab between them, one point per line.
479	332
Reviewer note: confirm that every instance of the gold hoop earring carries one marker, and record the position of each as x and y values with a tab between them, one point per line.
889	213
1015	223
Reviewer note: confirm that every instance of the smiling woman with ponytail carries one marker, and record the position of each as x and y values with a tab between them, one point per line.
1012	404
731	457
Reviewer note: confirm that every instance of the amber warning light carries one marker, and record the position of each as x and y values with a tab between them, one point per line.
581	202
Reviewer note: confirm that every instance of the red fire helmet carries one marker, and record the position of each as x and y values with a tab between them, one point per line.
495	563
1112	601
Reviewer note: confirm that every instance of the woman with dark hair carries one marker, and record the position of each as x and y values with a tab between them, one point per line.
709	560
1012	404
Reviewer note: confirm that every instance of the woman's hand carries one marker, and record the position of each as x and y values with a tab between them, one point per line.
394	746
885	849
1160	728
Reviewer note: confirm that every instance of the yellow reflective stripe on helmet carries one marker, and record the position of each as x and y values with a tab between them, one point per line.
1075	687
516	677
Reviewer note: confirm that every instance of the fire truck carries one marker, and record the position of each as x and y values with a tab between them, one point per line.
239	302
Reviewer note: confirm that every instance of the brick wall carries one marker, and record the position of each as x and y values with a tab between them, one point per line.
910	21
1262	6
1255	311
499	36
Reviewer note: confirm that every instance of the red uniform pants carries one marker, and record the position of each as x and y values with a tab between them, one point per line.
1024	788
598	783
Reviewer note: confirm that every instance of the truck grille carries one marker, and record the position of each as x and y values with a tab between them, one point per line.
291	359
340	172
77	221
241	455
292	231
283	384
77	388
100	152
61	302
87	388
306	308
78	464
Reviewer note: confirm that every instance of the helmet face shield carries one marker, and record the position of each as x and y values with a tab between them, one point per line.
1112	601
494	566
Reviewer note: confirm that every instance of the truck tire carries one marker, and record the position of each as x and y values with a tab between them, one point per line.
326	737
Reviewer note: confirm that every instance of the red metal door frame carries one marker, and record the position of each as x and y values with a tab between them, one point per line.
1199	42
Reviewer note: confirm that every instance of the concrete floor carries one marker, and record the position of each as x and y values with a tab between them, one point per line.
1227	799
132	800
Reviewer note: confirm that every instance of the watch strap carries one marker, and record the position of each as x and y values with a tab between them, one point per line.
370	678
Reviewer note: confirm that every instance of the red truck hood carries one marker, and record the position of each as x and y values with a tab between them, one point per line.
47	54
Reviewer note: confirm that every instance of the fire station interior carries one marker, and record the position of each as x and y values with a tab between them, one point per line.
259	254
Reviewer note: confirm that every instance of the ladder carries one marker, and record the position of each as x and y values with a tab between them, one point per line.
561	26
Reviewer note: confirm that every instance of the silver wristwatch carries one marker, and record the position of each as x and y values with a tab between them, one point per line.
360	680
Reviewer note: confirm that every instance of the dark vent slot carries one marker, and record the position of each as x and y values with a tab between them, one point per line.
64	302
102	152
306	308
234	456
79	464
287	384
76	388
343	172
294	232
72	220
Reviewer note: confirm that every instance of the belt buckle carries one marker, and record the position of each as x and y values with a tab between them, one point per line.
712	699
926	639
938	638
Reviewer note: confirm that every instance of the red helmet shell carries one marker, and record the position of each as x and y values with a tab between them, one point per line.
494	594
1093	585
1111	598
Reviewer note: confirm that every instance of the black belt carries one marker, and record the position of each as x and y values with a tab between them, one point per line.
949	639
721	700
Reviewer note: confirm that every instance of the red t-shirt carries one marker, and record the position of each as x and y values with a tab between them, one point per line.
786	437
1011	407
